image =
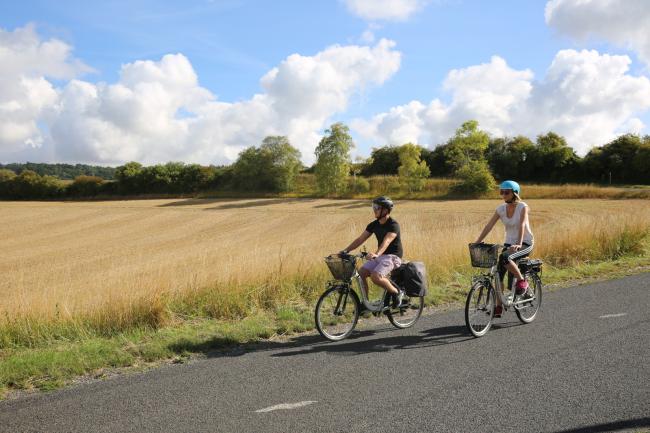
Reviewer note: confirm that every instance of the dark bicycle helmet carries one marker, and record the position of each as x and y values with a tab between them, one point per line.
384	202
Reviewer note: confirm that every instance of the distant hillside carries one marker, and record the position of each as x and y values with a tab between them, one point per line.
63	171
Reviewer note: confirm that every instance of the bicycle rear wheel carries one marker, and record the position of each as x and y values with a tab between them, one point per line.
337	313
527	312
408	313
479	308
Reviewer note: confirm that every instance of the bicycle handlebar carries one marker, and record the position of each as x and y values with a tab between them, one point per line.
485	243
342	254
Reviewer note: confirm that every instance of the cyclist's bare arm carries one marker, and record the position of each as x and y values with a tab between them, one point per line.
488	227
522	224
384	244
358	241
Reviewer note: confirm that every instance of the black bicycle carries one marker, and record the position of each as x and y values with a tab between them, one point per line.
338	308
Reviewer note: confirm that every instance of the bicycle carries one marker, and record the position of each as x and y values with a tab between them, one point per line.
480	304
338	309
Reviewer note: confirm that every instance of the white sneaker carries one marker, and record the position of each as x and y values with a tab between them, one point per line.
397	299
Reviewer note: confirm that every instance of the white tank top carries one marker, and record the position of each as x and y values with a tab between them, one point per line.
512	224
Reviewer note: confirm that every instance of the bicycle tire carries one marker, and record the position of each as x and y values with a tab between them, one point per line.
400	317
332	324
479	305
528	312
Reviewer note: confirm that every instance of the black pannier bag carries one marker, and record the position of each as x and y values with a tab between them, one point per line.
530	265
414	278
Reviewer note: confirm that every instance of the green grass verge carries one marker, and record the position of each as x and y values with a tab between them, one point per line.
52	366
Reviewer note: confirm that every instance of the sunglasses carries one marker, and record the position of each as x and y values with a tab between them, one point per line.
376	207
505	191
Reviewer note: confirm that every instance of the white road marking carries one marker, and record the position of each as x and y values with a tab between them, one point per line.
285	406
609	316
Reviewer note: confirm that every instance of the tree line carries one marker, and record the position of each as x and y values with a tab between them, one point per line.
471	156
624	160
62	171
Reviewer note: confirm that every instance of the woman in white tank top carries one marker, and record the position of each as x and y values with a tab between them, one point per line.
519	237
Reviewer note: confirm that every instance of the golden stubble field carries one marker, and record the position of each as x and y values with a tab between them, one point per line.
62	258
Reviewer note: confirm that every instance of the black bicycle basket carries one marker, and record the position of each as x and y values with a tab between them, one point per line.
342	268
484	255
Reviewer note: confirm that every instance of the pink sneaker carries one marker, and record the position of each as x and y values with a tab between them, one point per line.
521	287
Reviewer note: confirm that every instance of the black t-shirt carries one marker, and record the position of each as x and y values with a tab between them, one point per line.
380	230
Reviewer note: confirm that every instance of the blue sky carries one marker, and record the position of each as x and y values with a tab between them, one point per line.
231	44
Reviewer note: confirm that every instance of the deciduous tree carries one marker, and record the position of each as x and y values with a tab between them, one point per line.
412	170
333	159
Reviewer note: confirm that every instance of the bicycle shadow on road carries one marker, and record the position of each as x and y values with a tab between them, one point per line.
360	342
353	346
634	423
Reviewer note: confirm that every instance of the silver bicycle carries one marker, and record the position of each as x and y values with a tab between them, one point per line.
481	299
338	308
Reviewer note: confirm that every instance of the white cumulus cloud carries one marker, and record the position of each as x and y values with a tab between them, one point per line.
625	23
157	111
136	118
586	96
384	10
26	64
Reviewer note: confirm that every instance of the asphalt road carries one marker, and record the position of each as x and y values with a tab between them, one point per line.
582	366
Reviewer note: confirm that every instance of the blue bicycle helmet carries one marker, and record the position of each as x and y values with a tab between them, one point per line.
510	184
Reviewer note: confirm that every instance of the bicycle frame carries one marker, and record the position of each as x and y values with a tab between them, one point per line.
493	279
376	306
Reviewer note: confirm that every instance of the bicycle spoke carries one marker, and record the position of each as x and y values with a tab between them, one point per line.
336	313
527	311
408	314
478	310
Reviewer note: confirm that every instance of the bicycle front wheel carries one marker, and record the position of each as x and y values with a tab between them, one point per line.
408	313
527	311
479	308
337	313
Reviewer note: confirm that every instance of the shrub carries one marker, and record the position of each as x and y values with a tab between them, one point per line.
29	184
6	182
358	185
475	178
85	186
271	167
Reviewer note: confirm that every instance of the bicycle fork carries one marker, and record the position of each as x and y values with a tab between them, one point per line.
343	296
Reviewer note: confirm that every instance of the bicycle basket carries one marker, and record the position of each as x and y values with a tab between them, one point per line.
341	268
483	255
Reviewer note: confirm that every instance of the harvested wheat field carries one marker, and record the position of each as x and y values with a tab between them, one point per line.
60	259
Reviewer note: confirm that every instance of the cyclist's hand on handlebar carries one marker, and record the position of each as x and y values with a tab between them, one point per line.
514	247
371	256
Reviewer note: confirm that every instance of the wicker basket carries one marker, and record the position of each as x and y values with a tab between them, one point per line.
484	255
341	268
